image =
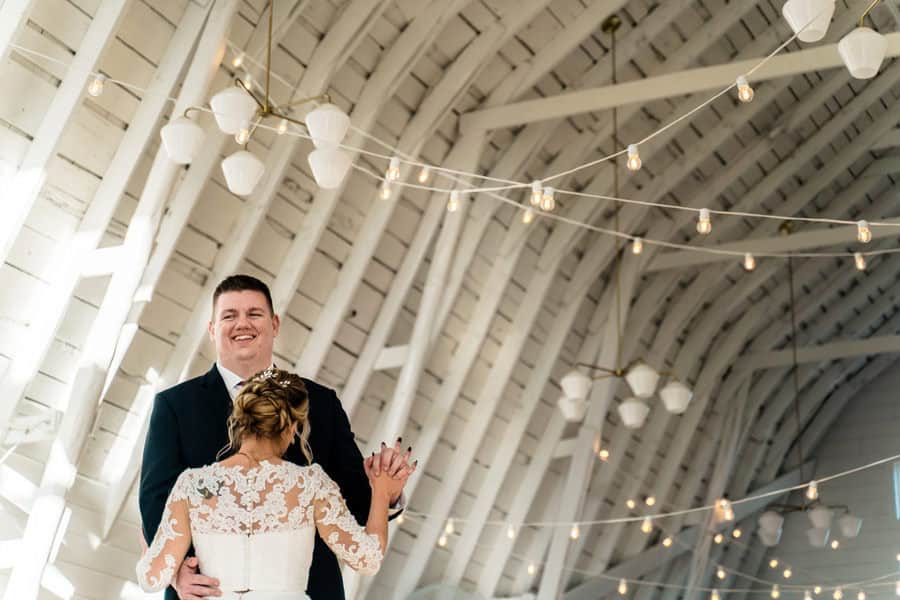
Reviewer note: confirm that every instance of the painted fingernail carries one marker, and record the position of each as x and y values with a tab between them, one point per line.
383	444
399	440
409	449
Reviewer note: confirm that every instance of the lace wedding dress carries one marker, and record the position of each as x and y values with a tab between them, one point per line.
254	529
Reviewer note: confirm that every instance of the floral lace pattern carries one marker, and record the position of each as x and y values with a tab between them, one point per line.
270	498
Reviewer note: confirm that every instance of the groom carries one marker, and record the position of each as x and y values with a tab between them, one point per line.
188	428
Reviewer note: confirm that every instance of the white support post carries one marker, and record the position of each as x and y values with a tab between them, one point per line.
13	16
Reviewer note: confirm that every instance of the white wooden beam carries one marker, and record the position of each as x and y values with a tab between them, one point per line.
390	358
655	88
891	139
887	344
13	16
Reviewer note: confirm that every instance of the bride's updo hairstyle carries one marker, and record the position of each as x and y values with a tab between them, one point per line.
268	404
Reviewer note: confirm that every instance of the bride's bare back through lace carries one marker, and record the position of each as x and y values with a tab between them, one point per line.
245	522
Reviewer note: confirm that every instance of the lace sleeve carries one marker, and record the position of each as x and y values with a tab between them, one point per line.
156	568
337	526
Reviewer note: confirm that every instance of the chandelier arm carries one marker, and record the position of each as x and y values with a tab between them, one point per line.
862	18
262	107
294	121
190	109
607	370
259	118
320	98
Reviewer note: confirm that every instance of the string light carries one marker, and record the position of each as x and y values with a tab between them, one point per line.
861	595
385	191
860	261
574	533
634	159
453	203
511	532
637	246
835	544
442	541
647	525
745	92
776	591
650	500
718	538
238	60
424	175
95	88
393	172
630	503
704	225
812	491
623	587
282	127
726	512
243	135
863	233
401	519
714	595
773	563
720	572
749	262
449	527
532	569
897	588
667	542
838	594
736	534
807	595
603	454
817	590
548	200
528	216
536	193
788	573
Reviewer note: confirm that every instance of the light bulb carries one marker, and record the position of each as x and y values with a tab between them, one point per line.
714	595
453	203
282	127
776	591
424	175
393	172
720	572
401	519
95	88
838	594
511	532
718	538
860	261
243	135
385	191
725	509
807	595
745	92
623	587
634	159
861	595
536	193
898	558
647	525
812	491
897	588
863	233
630	503
238	60
248	79
650	500
773	563
749	262
704	225
574	532
528	216
548	200
817	590
788	573
835	544
442	541
532	569
449	528
637	246
736	533
667	542
603	454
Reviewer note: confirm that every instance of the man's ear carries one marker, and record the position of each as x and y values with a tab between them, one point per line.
211	328
276	323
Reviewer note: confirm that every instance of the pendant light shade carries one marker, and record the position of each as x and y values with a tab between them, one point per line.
642	380
769	538
182	139
820	517
676	396
242	172
575	384
233	108
818	536
329	166
633	413
327	125
771	522
815	15
849	525
862	51
572	409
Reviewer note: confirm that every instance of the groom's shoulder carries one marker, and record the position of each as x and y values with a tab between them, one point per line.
318	392
185	389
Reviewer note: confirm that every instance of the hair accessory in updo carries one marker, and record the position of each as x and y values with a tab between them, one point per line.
273	374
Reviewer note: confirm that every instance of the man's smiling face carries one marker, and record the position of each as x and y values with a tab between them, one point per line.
243	329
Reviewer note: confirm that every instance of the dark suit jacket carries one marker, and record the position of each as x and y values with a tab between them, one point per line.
188	427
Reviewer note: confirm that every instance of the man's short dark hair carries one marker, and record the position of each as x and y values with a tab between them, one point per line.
241	283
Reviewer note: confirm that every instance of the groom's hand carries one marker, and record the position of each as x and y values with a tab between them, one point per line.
393	461
191	585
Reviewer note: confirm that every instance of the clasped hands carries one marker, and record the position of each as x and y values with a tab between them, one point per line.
392	467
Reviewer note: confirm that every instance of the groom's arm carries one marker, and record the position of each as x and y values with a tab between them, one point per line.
161	464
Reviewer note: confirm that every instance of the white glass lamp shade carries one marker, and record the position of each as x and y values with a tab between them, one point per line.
817	536
327	125
233	108
329	166
242	172
575	384
633	413
769	538
849	525
770	522
862	51
642	380
676	396
182	139
572	409
815	15
820	517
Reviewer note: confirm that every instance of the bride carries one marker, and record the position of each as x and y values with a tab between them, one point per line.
252	518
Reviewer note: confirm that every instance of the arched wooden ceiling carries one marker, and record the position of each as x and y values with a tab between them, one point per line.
508	308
